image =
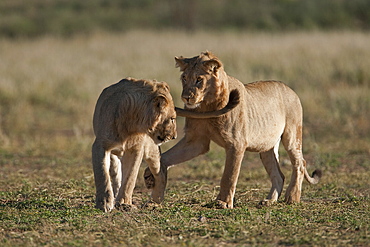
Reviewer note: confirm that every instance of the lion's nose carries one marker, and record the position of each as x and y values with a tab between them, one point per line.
187	97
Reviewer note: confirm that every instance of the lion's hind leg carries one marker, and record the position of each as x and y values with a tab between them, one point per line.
270	160
101	166
292	140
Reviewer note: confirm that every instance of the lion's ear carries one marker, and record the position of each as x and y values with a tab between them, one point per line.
160	102
154	113
163	85
212	65
181	63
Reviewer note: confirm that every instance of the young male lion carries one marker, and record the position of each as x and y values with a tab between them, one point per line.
131	118
268	112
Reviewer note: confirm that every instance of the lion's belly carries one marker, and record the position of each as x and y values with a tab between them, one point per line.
263	134
256	135
261	142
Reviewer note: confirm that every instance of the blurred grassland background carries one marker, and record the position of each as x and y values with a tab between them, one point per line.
49	85
57	56
21	18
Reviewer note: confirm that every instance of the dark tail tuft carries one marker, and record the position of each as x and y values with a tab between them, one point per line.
317	174
234	98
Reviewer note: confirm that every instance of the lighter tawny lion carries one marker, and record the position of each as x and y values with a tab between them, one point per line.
268	112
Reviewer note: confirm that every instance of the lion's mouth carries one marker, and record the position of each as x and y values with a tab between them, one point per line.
192	106
161	140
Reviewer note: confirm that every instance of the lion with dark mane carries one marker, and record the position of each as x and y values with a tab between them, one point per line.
131	118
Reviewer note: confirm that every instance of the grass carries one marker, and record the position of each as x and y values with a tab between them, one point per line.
48	89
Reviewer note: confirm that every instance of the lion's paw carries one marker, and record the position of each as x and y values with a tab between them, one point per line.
151	205
265	203
223	205
126	207
218	204
292	199
105	204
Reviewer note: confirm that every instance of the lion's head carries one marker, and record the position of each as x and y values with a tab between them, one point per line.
164	124
201	80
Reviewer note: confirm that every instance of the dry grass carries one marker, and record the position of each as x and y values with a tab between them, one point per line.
59	80
48	89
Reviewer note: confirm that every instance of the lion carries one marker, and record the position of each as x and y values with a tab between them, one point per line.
268	112
131	118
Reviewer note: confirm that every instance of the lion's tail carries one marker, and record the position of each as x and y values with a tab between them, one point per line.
234	100
315	178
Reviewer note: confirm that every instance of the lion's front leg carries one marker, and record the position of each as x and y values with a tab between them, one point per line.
160	176
186	149
159	173
230	176
101	165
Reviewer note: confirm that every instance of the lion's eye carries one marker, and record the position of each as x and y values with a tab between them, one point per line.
183	79
199	80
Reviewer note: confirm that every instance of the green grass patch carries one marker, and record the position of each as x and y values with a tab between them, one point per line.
62	213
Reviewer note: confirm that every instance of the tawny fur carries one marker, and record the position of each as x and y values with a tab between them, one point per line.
131	118
269	111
